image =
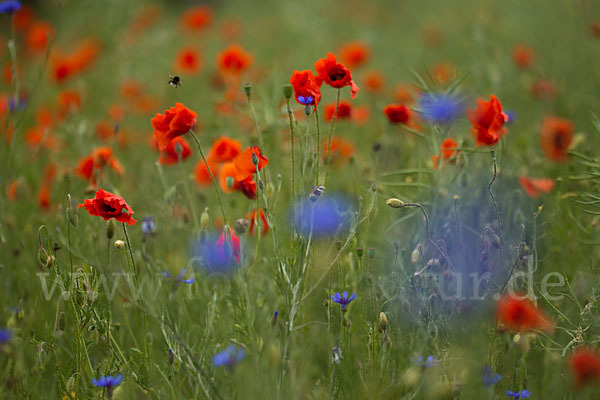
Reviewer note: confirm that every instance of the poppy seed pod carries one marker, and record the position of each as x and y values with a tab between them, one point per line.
229	181
371	253
241	225
359	252
248	90
394	203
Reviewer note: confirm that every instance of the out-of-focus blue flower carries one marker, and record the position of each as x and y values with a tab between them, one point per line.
18	105
216	255
179	278
323	215
489	377
108	381
148	226
228	357
343	299
9	6
518	395
440	108
308	100
511	115
5	335
430	362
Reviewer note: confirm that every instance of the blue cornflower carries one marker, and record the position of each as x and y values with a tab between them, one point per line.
228	357
216	255
17	105
148	226
510	115
519	395
307	101
343	299
440	108
5	335
430	362
108	381
180	277
489	377
322	215
9	6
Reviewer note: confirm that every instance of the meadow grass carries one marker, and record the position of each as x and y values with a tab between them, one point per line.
84	298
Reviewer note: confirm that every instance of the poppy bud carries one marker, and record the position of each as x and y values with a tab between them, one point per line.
394	203
119	244
204	219
307	110
229	182
270	190
171	357
496	241
254	159
287	91
110	229
71	385
359	252
248	90
415	255
383	322
338	245
72	216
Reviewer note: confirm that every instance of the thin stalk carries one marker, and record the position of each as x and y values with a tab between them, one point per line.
293	191
212	178
327	161
318	144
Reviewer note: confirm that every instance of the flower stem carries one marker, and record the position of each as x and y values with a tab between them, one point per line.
293	190
318	144
212	178
327	161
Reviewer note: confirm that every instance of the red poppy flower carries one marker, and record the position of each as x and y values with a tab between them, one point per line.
536	187
355	54
519	314
176	121
405	93
91	167
248	187
374	81
201	174
585	366
397	114
234	241
263	222
306	85
24	17
344	110
12	191
224	149
69	101
443	72
116	112
234	60
448	151
108	205
44	197
177	150
522	56
188	60
543	89
448	147
196	18
105	130
244	165
488	122
339	151
38	36
335	74
556	137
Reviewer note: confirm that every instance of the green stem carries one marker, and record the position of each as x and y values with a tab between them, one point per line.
293	191
212	178
318	144
327	161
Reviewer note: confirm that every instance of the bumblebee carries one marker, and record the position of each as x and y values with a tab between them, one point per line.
174	80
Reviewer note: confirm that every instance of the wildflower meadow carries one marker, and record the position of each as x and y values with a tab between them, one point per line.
386	199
